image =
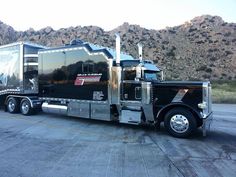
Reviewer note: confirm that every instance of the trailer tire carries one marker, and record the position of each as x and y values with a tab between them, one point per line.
25	107
12	105
180	122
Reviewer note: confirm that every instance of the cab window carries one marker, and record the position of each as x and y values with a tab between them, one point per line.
150	76
129	74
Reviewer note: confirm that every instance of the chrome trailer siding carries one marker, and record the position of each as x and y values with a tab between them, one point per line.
147	97
115	81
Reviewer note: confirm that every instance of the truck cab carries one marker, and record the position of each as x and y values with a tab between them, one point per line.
145	98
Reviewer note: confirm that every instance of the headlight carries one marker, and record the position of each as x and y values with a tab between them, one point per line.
202	105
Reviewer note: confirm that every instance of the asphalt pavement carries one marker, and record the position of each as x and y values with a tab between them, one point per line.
46	145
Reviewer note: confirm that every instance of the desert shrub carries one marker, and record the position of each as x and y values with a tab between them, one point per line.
223	74
224	24
192	29
206	76
213	58
200	42
227	52
210	50
208	70
227	34
202	68
170	53
211	20
171	31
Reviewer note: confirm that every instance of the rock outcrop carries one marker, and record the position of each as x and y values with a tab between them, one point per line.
202	49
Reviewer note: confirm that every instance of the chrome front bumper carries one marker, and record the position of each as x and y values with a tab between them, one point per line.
207	124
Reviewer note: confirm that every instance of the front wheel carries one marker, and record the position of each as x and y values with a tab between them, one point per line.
180	122
25	107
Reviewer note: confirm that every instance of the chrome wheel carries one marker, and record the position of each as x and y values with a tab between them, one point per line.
25	107
179	123
11	105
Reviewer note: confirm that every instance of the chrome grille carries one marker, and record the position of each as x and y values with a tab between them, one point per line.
209	98
206	97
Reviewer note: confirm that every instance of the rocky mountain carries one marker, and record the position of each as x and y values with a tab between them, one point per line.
202	49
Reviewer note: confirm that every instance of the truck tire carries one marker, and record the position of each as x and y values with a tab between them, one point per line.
25	107
12	105
180	122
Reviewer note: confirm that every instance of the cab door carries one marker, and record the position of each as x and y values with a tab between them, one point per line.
130	88
131	97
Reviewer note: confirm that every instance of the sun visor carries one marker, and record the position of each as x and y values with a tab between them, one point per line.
150	67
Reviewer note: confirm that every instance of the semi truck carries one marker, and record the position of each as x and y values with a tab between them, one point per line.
94	82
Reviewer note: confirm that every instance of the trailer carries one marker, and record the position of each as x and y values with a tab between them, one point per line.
19	75
94	82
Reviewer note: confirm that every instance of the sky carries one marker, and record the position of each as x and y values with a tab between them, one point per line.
109	14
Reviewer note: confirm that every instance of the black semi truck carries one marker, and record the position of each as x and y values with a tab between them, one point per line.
93	82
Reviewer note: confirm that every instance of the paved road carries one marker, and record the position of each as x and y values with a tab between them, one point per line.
57	146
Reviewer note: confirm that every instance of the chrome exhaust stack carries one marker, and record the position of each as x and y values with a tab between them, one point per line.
139	67
117	49
140	51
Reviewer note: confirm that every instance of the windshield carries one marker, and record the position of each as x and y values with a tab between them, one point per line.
150	75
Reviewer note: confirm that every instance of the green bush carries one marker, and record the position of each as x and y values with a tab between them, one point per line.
224	92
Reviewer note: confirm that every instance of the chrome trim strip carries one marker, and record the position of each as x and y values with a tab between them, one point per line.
30	64
11	45
130	102
10	91
131	82
22	43
179	96
21	65
31	55
71	100
72	49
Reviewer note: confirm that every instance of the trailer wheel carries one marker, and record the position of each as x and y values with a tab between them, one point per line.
12	105
25	107
180	122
